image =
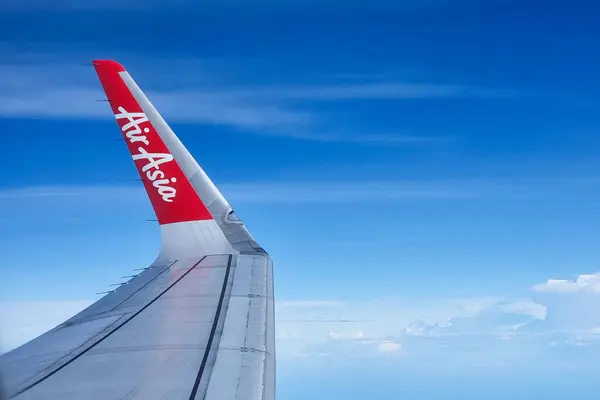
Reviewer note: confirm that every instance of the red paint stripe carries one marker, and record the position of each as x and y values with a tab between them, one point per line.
171	194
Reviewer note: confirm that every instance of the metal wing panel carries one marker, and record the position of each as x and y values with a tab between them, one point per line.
245	365
26	364
113	303
154	352
49	351
189	330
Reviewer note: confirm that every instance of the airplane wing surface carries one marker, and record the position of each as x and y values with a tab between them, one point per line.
196	324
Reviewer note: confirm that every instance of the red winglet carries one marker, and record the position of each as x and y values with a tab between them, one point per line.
170	192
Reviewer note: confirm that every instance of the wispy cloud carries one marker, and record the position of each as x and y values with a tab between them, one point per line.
325	192
387	326
460	331
337	191
377	139
74	102
70	91
284	192
526	307
369	91
388	346
38	192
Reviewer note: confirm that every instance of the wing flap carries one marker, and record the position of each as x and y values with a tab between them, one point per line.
245	366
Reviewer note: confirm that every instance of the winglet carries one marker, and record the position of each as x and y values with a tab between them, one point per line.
171	194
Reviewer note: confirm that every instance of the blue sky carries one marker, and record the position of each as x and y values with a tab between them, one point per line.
419	171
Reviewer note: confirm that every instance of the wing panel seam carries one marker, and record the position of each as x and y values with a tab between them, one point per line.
212	331
144	285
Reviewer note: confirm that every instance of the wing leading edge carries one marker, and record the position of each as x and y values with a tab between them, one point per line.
197	324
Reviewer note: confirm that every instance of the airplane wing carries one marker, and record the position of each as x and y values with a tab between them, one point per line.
196	324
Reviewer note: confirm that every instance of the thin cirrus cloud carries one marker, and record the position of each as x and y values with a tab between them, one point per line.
371	91
313	192
80	102
70	91
65	191
280	192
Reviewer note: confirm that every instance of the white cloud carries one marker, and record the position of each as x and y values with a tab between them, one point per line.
485	316
367	328
190	107
346	335
587	283
37	192
41	91
526	307
350	330
388	347
420	328
463	330
477	305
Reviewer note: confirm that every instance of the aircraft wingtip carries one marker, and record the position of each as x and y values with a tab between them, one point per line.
109	64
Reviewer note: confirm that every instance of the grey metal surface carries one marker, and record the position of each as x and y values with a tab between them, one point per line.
186	330
246	356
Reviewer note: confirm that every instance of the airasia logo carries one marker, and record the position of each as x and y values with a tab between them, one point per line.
135	134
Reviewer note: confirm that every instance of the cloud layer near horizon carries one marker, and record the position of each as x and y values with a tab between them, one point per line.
347	331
